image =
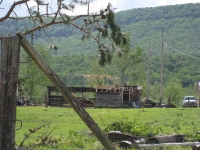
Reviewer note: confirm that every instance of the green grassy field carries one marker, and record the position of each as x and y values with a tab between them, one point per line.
65	120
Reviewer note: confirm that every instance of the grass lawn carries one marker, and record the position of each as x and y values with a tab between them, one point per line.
171	120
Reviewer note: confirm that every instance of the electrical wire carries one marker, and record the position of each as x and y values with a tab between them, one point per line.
180	51
181	42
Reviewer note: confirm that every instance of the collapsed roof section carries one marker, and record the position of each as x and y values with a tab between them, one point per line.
118	88
102	88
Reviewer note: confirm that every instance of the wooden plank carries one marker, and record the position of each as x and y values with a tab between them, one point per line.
117	136
144	146
166	139
65	92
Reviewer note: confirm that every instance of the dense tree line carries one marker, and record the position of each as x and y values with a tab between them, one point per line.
180	22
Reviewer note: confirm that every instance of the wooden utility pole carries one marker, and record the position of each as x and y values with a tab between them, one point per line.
148	66
65	92
161	80
10	50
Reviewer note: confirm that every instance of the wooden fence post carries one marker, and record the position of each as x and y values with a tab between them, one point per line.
65	92
10	50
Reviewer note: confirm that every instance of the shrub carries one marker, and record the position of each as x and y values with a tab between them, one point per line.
128	126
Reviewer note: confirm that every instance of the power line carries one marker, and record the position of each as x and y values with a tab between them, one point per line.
180	51
181	42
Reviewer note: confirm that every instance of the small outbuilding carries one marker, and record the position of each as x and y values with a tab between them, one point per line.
118	96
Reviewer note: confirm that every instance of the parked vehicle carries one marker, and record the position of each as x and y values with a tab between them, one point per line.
189	101
21	101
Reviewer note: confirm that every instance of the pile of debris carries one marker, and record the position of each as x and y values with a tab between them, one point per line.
126	141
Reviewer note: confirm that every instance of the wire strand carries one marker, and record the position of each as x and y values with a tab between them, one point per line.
181	42
180	51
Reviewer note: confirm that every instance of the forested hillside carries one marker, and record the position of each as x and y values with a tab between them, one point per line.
180	22
75	59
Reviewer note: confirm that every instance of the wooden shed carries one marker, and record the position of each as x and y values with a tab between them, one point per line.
118	96
54	98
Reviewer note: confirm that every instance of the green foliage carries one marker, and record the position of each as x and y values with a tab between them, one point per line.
173	89
65	18
116	33
32	79
45	138
75	140
133	127
129	60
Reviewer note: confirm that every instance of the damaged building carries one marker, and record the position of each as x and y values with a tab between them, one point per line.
118	96
112	96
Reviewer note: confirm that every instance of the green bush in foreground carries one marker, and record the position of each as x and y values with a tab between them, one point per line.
128	126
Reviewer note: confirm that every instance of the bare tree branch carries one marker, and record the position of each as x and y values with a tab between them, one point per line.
99	22
31	16
12	8
58	10
42	26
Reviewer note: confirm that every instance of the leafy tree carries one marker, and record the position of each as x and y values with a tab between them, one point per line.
173	90
32	79
154	92
130	59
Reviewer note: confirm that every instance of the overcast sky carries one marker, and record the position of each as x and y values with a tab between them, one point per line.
99	4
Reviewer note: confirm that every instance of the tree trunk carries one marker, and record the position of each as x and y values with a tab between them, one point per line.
10	50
